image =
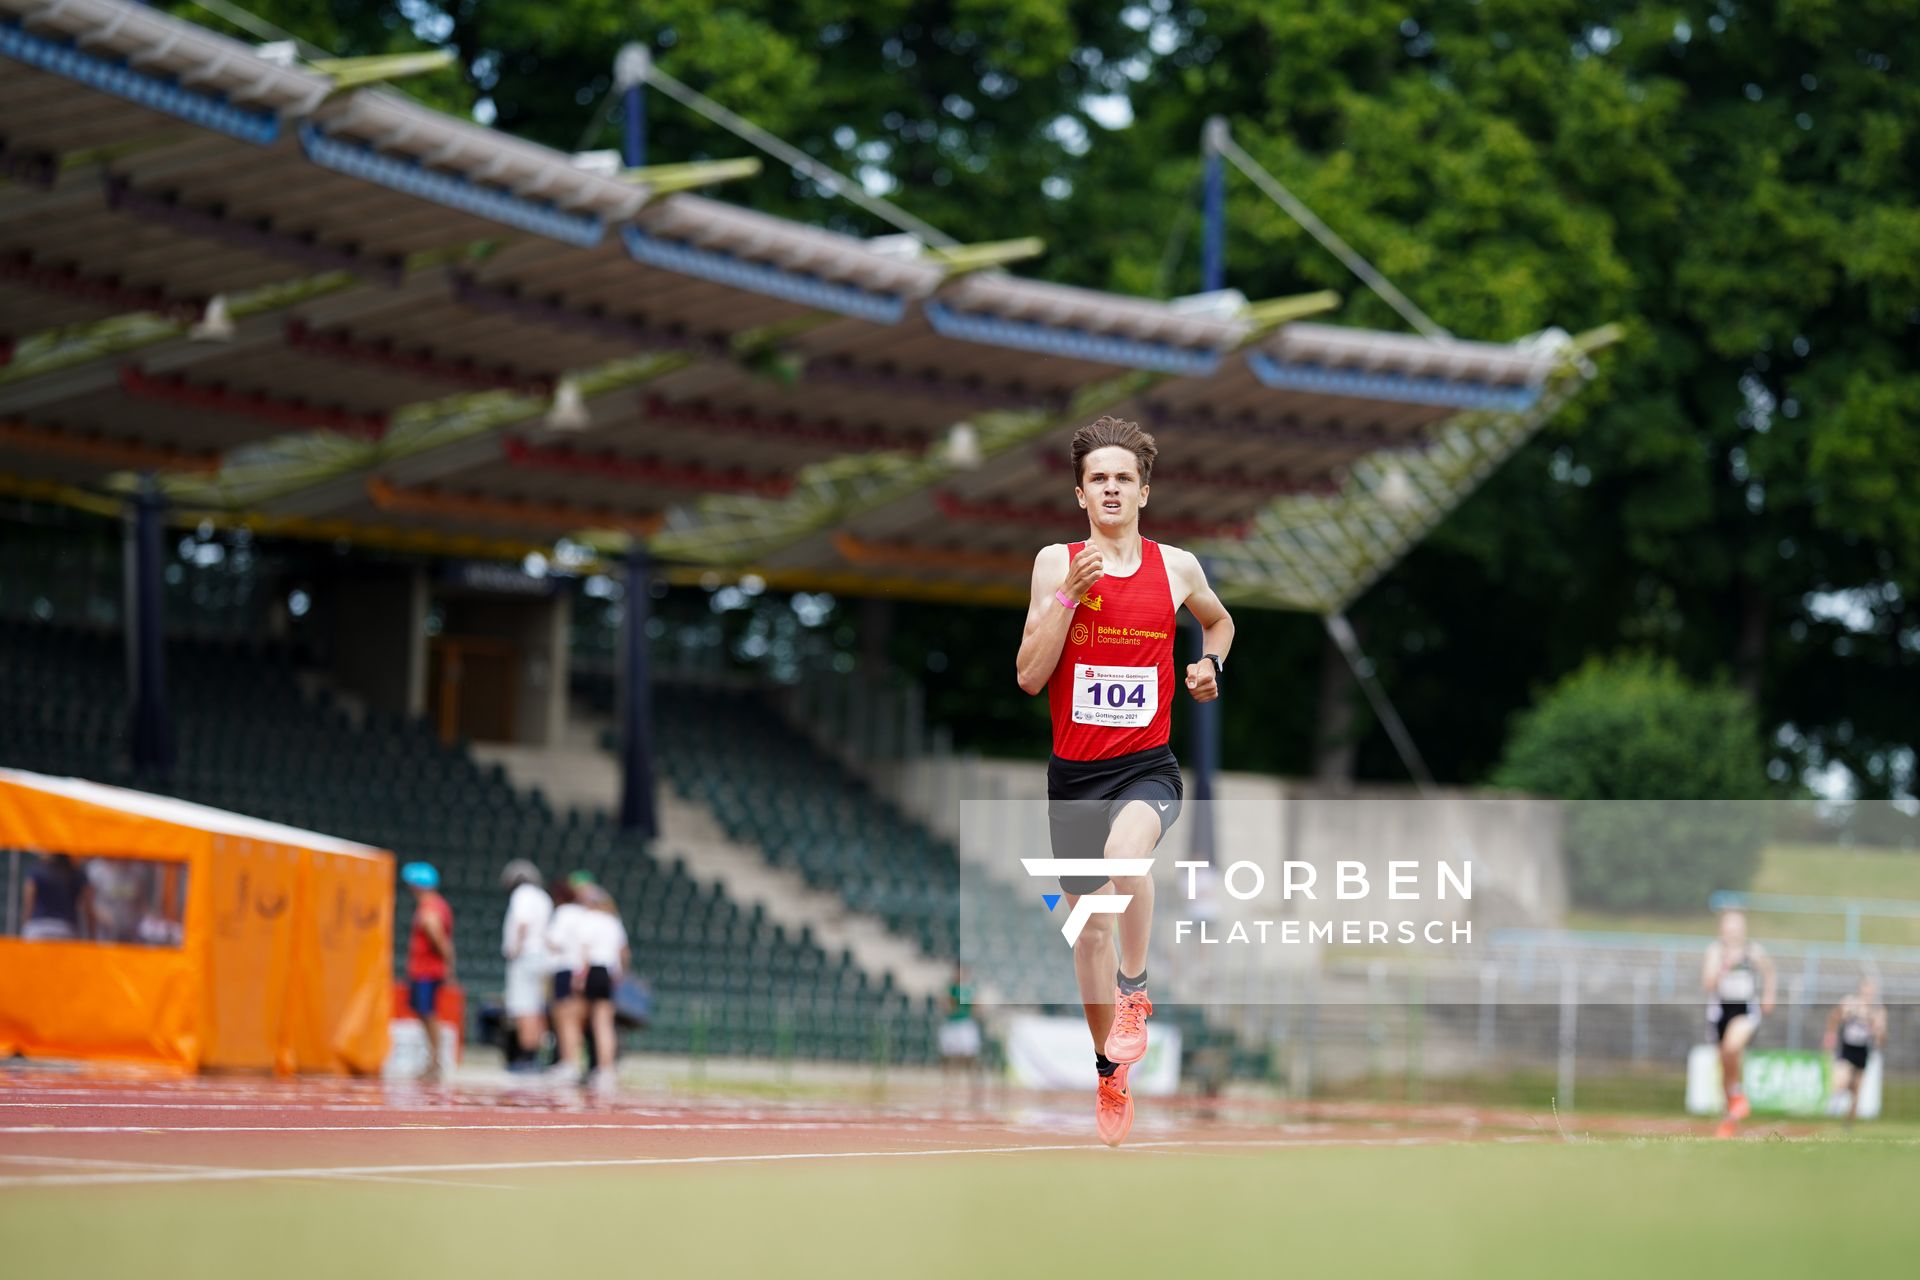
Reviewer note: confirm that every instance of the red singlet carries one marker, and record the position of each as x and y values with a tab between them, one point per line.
1111	693
424	960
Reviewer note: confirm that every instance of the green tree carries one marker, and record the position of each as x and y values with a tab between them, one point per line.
1631	737
1734	183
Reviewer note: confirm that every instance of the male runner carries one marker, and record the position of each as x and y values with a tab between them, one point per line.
1857	1026
1099	639
1735	971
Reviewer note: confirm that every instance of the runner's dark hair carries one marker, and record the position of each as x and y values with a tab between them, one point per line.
1111	432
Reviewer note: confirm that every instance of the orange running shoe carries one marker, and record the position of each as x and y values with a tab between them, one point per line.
1127	1041
1113	1108
1738	1109
1727	1128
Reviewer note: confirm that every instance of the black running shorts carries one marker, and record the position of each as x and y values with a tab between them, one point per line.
1727	1011
1085	796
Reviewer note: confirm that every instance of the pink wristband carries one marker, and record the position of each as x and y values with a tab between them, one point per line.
1066	601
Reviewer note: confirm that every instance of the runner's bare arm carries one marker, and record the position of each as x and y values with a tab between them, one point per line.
1831	1036
1205	606
1769	979
1047	619
437	935
1710	969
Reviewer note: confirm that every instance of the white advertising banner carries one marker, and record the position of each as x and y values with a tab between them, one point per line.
407	1049
1057	1053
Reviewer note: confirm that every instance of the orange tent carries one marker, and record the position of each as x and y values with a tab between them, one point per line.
280	959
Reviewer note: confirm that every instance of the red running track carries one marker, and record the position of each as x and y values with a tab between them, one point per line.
78	1129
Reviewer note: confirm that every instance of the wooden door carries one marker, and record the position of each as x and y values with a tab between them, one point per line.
473	688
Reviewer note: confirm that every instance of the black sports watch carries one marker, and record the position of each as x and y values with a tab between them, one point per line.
1219	666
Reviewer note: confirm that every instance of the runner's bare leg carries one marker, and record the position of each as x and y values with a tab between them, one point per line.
1135	832
1733	1051
1093	961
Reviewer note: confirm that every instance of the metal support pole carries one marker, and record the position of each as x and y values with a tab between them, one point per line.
1300	1072
1213	234
1489	989
1642	1030
1343	635
1205	730
637	811
1569	1032
152	736
913	729
630	70
1376	1030
1416	1036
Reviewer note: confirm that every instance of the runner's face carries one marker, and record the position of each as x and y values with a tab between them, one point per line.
1110	488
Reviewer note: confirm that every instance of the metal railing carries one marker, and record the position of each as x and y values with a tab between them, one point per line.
1851	910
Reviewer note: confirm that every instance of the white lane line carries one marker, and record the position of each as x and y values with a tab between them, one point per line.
718	1126
146	1166
409	1181
85	1161
224	1175
503	1166
726	1126
400	1106
355	1107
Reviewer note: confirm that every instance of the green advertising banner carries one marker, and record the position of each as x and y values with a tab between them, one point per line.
1786	1082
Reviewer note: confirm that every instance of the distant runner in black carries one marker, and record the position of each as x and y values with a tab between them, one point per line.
1856	1028
1739	980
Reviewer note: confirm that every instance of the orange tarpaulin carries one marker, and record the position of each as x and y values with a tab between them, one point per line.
283	963
345	941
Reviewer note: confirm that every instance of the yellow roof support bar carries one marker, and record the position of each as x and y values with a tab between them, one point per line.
356	73
1274	312
665	179
961	258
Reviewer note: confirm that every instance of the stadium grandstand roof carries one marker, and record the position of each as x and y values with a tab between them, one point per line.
312	305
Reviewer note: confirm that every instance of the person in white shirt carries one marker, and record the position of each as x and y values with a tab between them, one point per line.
523	941
599	954
569	995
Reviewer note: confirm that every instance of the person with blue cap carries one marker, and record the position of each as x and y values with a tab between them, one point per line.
429	955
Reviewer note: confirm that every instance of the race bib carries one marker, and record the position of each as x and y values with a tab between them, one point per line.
1736	985
1115	697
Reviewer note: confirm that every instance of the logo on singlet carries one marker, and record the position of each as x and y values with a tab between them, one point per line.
1079	633
1092	602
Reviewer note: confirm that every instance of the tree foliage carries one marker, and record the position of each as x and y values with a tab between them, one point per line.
1631	736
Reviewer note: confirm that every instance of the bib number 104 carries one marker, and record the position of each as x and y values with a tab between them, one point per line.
1116	695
